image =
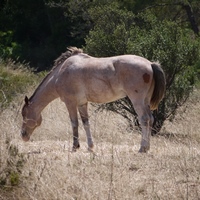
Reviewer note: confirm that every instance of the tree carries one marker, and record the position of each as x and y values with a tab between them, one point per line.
178	52
121	32
29	25
41	30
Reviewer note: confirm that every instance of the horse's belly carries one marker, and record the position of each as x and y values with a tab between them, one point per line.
105	96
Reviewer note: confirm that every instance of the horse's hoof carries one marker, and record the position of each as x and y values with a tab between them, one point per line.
143	149
75	147
90	148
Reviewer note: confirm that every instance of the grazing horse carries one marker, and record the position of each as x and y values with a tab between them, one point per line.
78	78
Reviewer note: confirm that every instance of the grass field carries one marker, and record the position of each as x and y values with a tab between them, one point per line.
46	169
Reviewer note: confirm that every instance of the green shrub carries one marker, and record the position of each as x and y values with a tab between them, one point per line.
14	79
8	48
11	166
177	49
14	179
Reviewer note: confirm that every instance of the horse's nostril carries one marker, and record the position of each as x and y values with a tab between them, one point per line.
23	133
25	136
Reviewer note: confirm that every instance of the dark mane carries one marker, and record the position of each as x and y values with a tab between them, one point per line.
70	52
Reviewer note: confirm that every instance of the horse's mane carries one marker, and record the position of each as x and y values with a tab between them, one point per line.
70	52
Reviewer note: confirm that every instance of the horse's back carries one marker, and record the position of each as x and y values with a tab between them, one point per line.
108	67
104	79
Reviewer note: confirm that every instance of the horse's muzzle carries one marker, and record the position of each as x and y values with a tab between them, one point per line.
25	136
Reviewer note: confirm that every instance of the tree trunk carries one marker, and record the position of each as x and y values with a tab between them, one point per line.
191	17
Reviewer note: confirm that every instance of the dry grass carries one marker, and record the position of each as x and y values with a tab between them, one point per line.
49	171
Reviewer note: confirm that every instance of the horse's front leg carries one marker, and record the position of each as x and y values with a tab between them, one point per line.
72	109
85	119
76	144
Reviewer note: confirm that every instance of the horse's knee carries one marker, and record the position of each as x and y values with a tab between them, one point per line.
147	120
74	123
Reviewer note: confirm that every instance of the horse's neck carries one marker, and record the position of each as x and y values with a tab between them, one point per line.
44	94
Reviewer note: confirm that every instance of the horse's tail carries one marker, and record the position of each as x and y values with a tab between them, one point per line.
159	86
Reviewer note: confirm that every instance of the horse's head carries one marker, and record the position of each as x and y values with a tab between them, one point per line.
30	120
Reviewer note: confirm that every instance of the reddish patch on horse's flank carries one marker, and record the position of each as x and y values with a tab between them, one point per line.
146	77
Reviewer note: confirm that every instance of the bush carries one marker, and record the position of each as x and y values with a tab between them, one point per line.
177	51
11	166
8	48
14	79
175	48
111	30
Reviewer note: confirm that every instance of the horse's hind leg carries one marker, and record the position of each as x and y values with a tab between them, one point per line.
146	120
85	119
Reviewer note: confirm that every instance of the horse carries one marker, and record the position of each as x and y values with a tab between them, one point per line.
78	78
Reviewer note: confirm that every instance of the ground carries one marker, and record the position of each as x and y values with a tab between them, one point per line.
48	170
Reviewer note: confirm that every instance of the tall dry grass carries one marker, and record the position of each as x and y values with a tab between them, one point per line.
46	169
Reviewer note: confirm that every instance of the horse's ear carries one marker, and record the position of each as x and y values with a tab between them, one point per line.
26	100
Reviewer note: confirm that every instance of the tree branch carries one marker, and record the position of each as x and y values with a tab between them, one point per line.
190	14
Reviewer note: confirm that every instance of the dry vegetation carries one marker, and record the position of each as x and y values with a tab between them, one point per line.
46	169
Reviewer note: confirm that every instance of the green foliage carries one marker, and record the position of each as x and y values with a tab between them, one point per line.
14	79
135	5
80	24
8	48
176	49
38	31
11	167
111	31
14	179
